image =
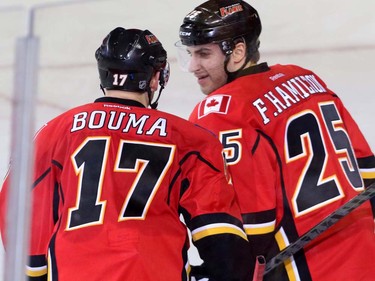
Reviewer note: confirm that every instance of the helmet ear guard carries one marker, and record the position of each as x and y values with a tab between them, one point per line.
164	75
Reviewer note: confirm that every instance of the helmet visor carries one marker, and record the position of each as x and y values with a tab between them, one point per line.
183	56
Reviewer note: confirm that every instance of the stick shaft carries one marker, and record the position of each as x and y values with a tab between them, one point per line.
329	221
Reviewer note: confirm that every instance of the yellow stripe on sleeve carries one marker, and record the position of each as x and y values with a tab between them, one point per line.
367	174
260	228
36	271
219	228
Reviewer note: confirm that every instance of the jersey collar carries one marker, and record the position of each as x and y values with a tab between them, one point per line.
258	68
121	101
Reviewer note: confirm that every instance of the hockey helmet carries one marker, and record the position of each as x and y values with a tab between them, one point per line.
128	58
222	21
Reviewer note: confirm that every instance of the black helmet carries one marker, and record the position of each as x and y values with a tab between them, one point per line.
127	59
221	21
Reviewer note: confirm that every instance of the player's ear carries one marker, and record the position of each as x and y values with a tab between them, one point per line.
239	52
154	83
237	57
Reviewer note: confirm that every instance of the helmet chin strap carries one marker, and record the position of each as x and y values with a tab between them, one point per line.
101	88
154	105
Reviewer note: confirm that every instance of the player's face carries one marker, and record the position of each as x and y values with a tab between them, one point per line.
207	65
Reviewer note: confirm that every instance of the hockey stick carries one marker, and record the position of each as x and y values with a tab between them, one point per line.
260	265
329	221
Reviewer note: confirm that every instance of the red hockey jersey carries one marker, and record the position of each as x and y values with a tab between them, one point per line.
110	182
295	155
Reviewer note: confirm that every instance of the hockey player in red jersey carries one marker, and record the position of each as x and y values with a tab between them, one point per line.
112	178
294	152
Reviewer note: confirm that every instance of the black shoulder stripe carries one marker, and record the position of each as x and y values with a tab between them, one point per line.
37	268
213	218
183	160
46	172
38	180
57	164
366	162
259	217
37	260
255	144
199	156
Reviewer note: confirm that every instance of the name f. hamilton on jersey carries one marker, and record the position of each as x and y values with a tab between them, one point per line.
285	95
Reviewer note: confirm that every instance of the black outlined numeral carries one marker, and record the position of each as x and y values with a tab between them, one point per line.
149	160
305	139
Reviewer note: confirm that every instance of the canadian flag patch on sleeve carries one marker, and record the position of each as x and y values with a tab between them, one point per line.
214	104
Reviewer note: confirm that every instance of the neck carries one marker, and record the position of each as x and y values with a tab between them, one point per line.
140	97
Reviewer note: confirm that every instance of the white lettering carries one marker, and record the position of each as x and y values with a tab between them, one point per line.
119	80
97	116
286	94
112	120
305	94
313	80
286	97
117	120
160	125
79	121
276	102
133	122
259	104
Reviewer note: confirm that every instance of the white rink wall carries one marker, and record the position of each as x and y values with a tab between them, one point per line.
335	39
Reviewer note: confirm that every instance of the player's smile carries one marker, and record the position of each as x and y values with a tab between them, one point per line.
202	79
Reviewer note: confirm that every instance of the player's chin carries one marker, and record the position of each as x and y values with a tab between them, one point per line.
206	85
205	90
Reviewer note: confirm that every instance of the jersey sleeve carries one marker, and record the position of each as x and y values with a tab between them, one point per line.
261	194
43	209
212	214
251	160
